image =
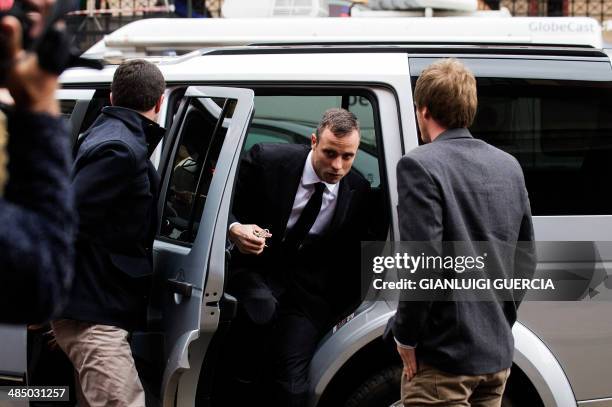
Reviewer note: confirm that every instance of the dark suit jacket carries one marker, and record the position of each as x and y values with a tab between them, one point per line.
37	219
268	181
116	188
459	188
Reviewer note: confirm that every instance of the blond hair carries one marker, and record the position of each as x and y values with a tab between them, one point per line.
448	90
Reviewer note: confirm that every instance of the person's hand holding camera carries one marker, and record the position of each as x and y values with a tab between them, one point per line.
31	87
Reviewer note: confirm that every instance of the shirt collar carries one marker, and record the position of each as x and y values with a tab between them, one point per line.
310	177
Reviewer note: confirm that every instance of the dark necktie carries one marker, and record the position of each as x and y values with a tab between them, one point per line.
307	218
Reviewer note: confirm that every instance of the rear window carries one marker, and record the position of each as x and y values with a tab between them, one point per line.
559	130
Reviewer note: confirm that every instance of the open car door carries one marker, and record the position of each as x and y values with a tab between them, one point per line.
198	165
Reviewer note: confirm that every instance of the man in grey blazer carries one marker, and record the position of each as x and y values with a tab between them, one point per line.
461	189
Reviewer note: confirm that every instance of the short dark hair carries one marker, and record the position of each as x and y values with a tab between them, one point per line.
137	85
341	122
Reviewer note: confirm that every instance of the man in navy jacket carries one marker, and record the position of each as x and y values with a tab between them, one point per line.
116	188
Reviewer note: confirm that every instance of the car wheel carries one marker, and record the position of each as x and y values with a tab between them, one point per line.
379	390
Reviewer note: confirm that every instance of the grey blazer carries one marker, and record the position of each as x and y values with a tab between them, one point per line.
459	188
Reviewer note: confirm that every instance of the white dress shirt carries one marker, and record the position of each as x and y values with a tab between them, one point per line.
303	194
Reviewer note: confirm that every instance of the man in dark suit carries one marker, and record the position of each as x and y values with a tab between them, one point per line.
460	189
116	188
297	224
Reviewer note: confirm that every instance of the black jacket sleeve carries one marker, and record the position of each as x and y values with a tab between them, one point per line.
250	175
37	220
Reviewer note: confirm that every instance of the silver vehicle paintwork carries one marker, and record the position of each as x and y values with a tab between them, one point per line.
216	267
383	70
206	276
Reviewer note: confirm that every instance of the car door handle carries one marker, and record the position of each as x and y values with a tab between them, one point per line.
180	287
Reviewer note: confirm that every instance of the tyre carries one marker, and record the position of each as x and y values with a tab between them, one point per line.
382	389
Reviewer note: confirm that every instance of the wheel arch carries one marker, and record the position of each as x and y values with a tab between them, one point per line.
338	360
357	350
542	368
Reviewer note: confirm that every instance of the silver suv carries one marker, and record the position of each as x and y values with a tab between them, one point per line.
549	107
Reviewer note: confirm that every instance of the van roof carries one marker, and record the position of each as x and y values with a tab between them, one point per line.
302	63
150	37
544	50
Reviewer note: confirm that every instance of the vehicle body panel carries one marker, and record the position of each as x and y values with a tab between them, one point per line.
197	267
582	347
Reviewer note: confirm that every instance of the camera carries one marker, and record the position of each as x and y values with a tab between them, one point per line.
53	47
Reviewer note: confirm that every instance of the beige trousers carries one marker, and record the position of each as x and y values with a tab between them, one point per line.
105	371
433	387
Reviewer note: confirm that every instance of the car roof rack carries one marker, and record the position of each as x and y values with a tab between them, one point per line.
171	37
413	48
419	43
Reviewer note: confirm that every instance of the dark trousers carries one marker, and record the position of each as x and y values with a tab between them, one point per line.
294	340
270	362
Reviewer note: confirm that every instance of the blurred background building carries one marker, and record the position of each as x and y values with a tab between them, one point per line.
99	17
599	9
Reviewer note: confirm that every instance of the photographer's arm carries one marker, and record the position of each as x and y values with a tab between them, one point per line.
37	220
36	212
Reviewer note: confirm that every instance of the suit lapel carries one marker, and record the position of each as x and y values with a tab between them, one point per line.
289	181
345	194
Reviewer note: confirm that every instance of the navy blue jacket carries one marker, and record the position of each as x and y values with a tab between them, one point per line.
116	189
37	220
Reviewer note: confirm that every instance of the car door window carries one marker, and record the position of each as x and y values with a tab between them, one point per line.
294	118
66	108
74	104
561	134
193	166
554	118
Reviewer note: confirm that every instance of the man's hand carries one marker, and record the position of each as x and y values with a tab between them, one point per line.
31	88
250	239
409	359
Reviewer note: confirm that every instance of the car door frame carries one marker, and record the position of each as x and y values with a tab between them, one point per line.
82	98
184	360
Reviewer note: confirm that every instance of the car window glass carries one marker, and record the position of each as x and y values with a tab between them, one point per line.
362	108
560	131
293	119
201	137
561	134
66	107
